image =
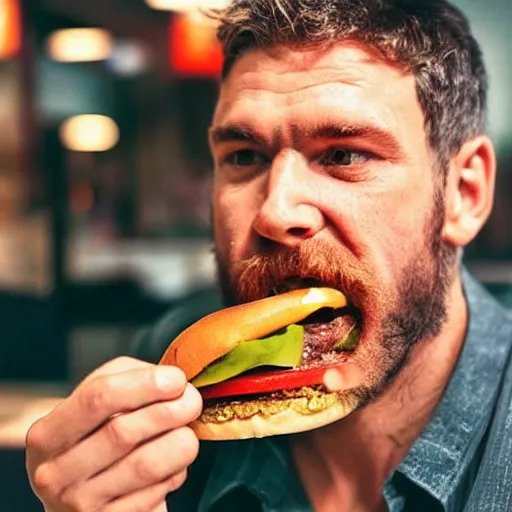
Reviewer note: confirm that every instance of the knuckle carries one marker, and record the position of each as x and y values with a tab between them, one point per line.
44	481
147	469
95	397
36	437
120	434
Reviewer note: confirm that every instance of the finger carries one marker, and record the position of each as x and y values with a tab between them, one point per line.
114	366
151	498
117	365
122	434
342	378
151	463
97	400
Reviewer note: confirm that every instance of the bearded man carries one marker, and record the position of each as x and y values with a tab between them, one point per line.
350	151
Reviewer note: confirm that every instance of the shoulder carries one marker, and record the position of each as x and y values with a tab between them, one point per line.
490	324
492	489
491	492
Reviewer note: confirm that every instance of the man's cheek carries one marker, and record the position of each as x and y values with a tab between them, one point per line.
232	233
387	239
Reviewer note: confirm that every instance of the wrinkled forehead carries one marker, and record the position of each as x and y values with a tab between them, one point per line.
347	79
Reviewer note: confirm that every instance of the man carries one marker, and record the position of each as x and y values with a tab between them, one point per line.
349	147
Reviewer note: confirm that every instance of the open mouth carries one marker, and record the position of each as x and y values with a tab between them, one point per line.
263	371
326	330
328	337
283	372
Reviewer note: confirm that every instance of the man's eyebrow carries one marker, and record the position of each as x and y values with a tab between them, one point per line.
324	130
234	133
373	133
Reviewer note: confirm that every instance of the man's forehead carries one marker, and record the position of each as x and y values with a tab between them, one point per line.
350	61
347	75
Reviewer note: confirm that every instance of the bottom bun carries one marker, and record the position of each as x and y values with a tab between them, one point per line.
281	413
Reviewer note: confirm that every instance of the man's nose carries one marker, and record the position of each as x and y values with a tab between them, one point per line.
288	214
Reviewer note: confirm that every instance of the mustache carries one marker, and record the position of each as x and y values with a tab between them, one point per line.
256	277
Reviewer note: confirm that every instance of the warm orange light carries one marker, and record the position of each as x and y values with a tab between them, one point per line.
193	47
10	28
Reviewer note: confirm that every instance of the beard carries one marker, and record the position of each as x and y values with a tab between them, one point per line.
396	316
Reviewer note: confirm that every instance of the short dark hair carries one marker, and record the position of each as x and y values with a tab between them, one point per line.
430	38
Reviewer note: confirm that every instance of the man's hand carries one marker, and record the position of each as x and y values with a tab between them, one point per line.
120	442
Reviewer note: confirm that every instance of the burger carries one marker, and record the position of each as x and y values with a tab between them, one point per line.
259	366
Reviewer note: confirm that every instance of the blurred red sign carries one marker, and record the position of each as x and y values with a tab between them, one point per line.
193	47
10	28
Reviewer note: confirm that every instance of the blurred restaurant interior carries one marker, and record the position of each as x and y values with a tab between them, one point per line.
105	176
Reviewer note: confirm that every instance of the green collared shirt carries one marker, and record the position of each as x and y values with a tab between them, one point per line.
461	462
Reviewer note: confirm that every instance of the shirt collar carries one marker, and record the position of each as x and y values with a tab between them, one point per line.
439	460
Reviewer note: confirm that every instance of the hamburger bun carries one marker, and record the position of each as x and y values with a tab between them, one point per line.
282	416
288	409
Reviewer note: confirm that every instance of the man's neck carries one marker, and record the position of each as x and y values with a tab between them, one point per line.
345	465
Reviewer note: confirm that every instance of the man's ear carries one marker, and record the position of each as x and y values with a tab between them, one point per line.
469	191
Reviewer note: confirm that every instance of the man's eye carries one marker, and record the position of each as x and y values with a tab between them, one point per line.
246	158
341	157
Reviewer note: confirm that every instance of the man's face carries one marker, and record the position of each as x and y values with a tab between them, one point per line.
323	172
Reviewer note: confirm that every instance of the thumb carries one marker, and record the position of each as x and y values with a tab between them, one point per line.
344	377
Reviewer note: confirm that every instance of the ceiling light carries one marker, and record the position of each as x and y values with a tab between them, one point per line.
89	133
79	45
187	5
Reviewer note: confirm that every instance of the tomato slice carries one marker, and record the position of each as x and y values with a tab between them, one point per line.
266	382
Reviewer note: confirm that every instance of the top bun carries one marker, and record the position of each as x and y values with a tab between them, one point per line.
218	333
